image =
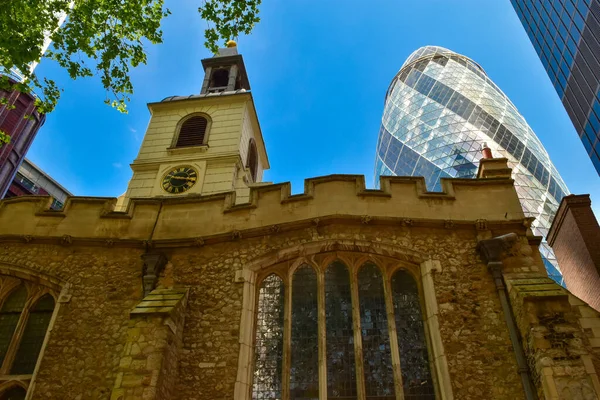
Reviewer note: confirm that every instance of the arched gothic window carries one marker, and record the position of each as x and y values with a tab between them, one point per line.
192	132
252	161
26	309
338	337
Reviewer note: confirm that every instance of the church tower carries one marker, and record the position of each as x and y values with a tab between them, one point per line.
205	143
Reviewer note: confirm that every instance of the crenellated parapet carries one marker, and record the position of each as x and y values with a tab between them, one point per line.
472	203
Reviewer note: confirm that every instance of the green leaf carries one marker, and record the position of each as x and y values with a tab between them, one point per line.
103	38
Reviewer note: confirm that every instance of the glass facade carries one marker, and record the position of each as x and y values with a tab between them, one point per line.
439	110
566	36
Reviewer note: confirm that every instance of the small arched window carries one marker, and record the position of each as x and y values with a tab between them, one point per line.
252	161
192	132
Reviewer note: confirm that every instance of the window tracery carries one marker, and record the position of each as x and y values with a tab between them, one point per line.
26	309
339	313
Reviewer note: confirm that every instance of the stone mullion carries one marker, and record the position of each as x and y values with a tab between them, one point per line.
358	355
322	335
243	386
438	354
391	320
287	339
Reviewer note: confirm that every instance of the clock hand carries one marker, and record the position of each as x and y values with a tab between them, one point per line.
184	178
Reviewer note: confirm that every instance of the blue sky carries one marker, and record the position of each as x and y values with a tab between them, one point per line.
319	71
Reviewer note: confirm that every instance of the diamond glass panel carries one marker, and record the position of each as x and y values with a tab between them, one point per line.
377	356
442	115
9	317
304	372
268	350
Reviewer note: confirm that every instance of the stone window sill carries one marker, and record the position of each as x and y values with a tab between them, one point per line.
187	150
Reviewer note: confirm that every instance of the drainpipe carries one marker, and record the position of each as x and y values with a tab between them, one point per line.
491	251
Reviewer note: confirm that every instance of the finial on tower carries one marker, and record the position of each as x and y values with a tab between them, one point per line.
231	43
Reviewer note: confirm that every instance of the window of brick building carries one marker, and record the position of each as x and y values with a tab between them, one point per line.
352	332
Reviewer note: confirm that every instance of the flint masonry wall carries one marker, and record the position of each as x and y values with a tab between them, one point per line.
209	240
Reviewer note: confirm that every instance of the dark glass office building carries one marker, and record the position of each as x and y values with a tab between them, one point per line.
439	110
566	36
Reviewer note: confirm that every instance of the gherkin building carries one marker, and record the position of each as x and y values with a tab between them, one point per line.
440	109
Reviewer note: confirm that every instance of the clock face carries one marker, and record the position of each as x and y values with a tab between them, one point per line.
179	179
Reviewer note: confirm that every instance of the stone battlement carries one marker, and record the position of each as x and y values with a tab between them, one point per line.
400	200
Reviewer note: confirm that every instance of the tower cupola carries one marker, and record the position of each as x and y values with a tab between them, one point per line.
225	72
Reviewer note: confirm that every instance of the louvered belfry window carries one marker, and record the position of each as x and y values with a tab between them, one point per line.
252	160
192	132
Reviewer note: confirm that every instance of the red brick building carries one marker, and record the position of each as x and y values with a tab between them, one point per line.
575	238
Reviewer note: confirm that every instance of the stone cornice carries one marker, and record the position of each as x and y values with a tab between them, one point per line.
317	223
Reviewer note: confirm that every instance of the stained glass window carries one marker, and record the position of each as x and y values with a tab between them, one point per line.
414	360
341	373
9	318
14	393
268	351
33	336
304	372
379	376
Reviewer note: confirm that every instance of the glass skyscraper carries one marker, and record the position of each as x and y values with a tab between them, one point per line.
566	36
439	110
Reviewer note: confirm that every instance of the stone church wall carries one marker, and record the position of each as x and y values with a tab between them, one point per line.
193	349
